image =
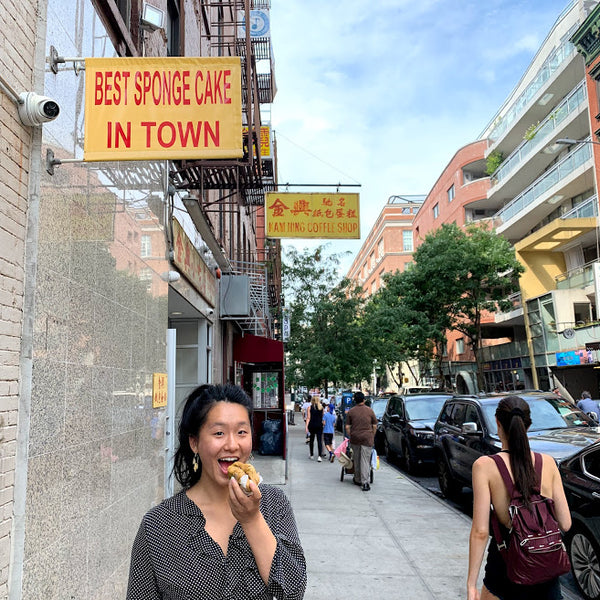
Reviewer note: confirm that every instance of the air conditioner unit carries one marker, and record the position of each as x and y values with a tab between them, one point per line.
234	296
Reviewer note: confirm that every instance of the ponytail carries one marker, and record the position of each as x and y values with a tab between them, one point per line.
514	415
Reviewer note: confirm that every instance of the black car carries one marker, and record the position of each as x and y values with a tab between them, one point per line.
581	479
407	426
466	429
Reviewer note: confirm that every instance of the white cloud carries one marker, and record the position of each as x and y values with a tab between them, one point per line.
386	92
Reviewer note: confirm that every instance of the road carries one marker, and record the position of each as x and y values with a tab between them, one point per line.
428	480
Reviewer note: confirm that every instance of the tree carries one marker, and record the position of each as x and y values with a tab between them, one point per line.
466	273
310	287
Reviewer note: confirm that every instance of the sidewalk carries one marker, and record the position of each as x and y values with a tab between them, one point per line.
397	539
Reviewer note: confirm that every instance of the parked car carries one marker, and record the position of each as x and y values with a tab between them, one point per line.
407	427
378	405
581	478
466	429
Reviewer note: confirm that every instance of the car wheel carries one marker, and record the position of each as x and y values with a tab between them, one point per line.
408	461
585	564
448	485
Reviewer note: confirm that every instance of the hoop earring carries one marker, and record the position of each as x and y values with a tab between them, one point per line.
195	462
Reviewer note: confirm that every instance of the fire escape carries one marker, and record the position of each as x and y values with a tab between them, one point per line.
221	186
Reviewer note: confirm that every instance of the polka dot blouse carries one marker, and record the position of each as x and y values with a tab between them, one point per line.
174	558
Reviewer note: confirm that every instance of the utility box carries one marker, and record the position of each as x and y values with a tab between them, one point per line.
234	296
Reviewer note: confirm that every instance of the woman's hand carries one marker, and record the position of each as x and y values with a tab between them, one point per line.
244	508
472	593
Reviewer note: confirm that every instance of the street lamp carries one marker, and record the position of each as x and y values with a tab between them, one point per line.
571	141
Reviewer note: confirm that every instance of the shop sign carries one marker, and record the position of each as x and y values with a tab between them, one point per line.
265	140
159	390
158	108
315	215
189	263
573	357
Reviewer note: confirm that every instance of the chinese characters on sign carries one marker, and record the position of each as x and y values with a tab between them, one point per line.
159	390
327	216
160	108
189	263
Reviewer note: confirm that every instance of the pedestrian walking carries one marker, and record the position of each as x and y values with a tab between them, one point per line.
304	409
587	405
513	419
211	540
361	424
314	426
329	419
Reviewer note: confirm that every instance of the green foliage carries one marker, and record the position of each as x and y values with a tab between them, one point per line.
325	343
493	161
531	131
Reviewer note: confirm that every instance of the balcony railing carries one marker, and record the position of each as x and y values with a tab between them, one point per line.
577	278
550	66
567	107
541	185
503	351
588	208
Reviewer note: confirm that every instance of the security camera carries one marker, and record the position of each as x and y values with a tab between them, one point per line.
209	312
36	110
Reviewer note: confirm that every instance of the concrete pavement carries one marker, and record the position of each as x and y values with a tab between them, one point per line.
396	541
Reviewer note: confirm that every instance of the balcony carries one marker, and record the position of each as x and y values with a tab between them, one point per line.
574	105
577	278
565	179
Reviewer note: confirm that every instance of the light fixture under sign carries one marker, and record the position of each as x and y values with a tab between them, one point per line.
152	17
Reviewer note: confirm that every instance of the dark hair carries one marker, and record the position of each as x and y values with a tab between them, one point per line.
196	409
585	394
358	397
514	415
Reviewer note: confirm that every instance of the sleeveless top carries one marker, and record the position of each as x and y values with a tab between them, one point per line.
316	419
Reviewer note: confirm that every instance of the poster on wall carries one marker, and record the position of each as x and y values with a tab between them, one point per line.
265	390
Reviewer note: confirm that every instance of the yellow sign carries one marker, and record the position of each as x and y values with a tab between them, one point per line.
162	108
159	390
265	140
327	216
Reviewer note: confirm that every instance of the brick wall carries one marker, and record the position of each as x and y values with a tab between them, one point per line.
16	59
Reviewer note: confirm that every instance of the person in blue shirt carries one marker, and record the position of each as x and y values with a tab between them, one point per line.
587	405
329	419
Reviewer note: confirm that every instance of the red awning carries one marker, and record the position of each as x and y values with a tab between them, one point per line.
255	349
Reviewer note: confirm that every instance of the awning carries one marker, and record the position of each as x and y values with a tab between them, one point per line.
256	349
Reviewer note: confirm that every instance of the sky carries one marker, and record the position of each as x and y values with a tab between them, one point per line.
384	92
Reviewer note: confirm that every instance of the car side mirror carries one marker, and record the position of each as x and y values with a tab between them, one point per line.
469	427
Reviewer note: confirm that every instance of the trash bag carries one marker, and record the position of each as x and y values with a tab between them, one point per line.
271	441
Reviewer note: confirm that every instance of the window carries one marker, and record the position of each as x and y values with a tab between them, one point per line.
407	240
460	346
436	211
173	48
146	249
380	249
451	193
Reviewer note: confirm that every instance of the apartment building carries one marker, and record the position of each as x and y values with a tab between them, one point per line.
388	247
544	198
114	274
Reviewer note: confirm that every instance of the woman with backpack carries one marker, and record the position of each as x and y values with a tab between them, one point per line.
513	419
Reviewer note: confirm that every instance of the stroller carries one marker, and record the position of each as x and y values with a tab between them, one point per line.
345	459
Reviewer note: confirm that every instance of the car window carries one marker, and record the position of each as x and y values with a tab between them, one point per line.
591	462
379	407
546	413
446	414
418	409
472	416
458	415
